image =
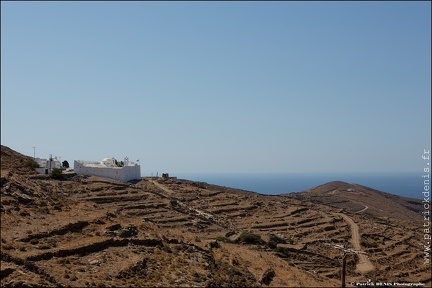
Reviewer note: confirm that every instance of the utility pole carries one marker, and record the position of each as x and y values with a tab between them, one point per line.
343	269
34	153
345	251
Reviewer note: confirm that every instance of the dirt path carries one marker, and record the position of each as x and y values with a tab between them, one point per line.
160	186
364	264
362	210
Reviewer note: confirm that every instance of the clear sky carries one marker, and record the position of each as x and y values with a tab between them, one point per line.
244	87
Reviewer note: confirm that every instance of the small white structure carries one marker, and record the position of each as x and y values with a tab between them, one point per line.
108	168
46	165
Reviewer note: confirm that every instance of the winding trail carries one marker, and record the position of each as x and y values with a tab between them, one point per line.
362	210
364	265
169	192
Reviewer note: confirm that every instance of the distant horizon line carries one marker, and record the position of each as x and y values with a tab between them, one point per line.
284	173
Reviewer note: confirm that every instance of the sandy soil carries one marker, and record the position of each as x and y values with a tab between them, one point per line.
90	231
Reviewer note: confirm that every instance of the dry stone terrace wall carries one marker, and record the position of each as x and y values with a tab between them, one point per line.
312	226
92	231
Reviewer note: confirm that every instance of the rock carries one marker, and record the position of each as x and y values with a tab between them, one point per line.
267	277
173	241
6	272
230	234
94	262
24	213
329	228
110	215
21	197
110	233
22	284
28	191
3	181
214	244
130	231
114	227
99	221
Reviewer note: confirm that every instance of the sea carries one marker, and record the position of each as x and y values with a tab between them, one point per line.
402	184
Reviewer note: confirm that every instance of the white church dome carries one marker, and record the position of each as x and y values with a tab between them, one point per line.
109	162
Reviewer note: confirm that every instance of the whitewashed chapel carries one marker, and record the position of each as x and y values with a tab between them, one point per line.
109	169
47	165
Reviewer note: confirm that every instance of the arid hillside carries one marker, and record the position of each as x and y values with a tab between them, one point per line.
356	198
95	232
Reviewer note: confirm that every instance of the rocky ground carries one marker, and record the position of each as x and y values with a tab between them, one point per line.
89	231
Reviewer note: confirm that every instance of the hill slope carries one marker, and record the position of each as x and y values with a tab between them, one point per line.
90	231
357	198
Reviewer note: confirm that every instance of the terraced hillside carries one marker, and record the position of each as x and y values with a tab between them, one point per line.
308	230
364	200
90	231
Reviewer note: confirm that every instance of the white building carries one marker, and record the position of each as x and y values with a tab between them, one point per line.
46	165
108	168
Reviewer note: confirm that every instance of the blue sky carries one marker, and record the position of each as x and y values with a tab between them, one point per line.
243	87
